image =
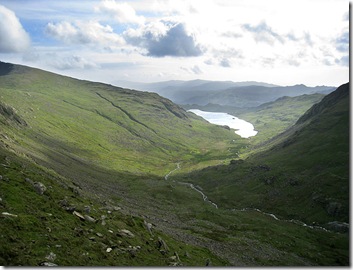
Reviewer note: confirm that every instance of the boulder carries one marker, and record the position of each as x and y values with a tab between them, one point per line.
337	226
39	188
89	218
125	233
77	214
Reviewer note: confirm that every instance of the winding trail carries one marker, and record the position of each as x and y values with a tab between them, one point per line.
205	198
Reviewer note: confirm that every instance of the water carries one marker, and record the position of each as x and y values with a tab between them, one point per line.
243	128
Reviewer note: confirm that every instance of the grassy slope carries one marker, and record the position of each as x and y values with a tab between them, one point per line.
43	226
103	125
63	124
300	174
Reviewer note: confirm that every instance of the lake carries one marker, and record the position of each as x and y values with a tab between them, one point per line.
243	128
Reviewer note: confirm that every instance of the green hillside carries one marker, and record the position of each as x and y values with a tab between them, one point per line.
102	125
96	175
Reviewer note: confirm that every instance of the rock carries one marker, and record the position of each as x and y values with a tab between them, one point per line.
162	246
39	187
8	214
109	250
124	232
64	203
103	217
110	231
99	234
92	238
51	256
48	264
87	209
89	218
337	226
0	177
29	181
77	214
148	226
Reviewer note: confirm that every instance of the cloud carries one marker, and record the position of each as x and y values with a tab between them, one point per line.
263	33
224	62
344	61
164	39
13	38
90	32
342	42
307	38
122	12
193	70
70	62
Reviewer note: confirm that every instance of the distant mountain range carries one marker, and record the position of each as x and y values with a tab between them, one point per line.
225	93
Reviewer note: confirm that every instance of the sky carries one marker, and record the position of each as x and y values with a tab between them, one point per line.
274	41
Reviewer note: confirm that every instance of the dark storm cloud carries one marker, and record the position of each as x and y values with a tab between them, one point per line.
175	42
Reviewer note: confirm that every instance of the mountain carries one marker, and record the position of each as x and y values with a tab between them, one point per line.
69	119
302	173
253	96
181	92
225	93
93	175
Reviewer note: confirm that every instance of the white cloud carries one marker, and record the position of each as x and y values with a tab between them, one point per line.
70	62
193	70
122	12
83	32
13	38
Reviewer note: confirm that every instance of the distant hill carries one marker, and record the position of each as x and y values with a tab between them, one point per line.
225	93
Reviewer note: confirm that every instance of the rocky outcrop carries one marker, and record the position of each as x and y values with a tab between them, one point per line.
337	226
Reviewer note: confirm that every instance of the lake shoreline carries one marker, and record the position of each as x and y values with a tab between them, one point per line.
242	128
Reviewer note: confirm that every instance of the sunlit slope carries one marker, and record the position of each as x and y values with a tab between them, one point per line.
69	120
302	173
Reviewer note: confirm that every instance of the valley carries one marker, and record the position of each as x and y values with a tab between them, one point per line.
133	179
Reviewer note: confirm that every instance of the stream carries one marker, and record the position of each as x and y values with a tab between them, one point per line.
205	198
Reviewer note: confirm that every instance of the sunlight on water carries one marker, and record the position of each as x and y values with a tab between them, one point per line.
243	129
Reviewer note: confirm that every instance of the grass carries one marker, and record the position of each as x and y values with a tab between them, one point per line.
100	146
